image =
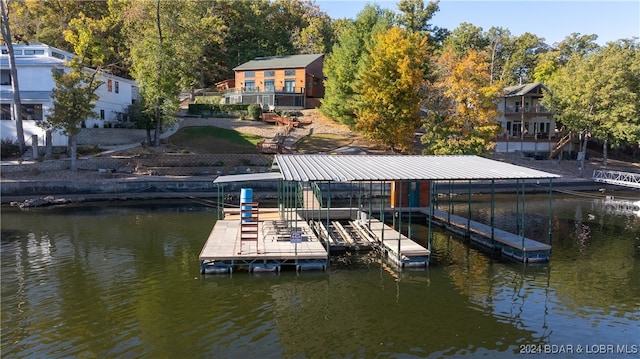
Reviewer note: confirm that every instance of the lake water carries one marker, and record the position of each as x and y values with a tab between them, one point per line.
122	280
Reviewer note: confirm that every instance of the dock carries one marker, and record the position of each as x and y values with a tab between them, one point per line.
510	245
225	249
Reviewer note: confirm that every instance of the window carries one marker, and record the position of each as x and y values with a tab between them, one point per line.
249	85
5	112
269	73
32	112
34	52
289	72
15	52
5	77
269	85
249	74
117	87
290	85
57	55
102	114
109	86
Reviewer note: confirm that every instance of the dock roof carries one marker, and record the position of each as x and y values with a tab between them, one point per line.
305	168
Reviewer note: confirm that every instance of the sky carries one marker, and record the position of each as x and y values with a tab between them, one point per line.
552	20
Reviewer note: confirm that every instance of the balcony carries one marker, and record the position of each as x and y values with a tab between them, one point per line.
527	110
263	91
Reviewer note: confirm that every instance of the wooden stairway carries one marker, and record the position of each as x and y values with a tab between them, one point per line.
560	145
249	225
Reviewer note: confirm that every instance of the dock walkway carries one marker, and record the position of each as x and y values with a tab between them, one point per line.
510	244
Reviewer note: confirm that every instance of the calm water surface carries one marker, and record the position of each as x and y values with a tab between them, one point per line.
122	280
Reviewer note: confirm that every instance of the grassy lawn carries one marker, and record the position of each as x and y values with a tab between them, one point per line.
213	140
321	142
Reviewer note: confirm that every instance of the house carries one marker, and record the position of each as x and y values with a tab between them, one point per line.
35	63
284	82
527	126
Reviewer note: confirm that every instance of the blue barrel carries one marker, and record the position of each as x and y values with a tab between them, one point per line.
246	195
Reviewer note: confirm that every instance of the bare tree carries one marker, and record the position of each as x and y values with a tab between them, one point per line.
17	104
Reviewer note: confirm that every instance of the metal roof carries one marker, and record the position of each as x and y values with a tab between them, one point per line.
279	62
305	168
249	177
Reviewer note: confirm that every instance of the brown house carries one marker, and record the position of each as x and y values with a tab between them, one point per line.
292	81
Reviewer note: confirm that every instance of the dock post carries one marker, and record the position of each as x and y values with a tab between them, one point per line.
382	210
550	212
493	205
430	232
469	211
399	229
328	224
523	229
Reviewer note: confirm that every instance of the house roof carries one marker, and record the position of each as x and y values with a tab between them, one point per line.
388	167
279	62
523	89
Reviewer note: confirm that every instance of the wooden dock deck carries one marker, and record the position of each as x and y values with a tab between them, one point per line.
225	249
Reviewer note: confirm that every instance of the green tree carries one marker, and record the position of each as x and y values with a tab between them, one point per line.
154	58
73	102
467	37
575	44
521	58
598	94
343	63
461	106
388	84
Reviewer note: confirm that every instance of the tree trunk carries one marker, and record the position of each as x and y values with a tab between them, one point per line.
17	104
584	155
156	138
48	145
74	153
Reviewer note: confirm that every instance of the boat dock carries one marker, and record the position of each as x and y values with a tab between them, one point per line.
509	244
225	248
302	232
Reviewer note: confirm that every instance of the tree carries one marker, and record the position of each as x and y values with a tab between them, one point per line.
461	106
154	59
343	63
73	102
522	53
13	72
598	94
388	84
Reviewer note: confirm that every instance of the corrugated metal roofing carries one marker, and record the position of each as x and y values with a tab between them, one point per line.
388	167
249	177
279	62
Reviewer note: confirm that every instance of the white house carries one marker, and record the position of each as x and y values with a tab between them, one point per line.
34	63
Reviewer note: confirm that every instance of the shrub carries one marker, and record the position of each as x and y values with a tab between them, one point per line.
254	111
9	148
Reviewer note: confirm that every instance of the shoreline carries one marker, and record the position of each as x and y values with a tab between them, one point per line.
39	193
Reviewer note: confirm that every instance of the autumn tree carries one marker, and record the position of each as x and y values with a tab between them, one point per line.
343	63
388	84
461	106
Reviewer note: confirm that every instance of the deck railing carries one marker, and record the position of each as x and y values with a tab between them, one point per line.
535	109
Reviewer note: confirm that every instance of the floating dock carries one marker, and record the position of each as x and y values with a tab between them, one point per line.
509	244
226	250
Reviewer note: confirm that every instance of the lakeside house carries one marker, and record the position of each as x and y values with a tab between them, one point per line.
35	63
527	126
279	82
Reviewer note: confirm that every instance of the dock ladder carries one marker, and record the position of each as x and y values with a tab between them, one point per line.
249	224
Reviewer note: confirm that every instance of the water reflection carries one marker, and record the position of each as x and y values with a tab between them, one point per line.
125	282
